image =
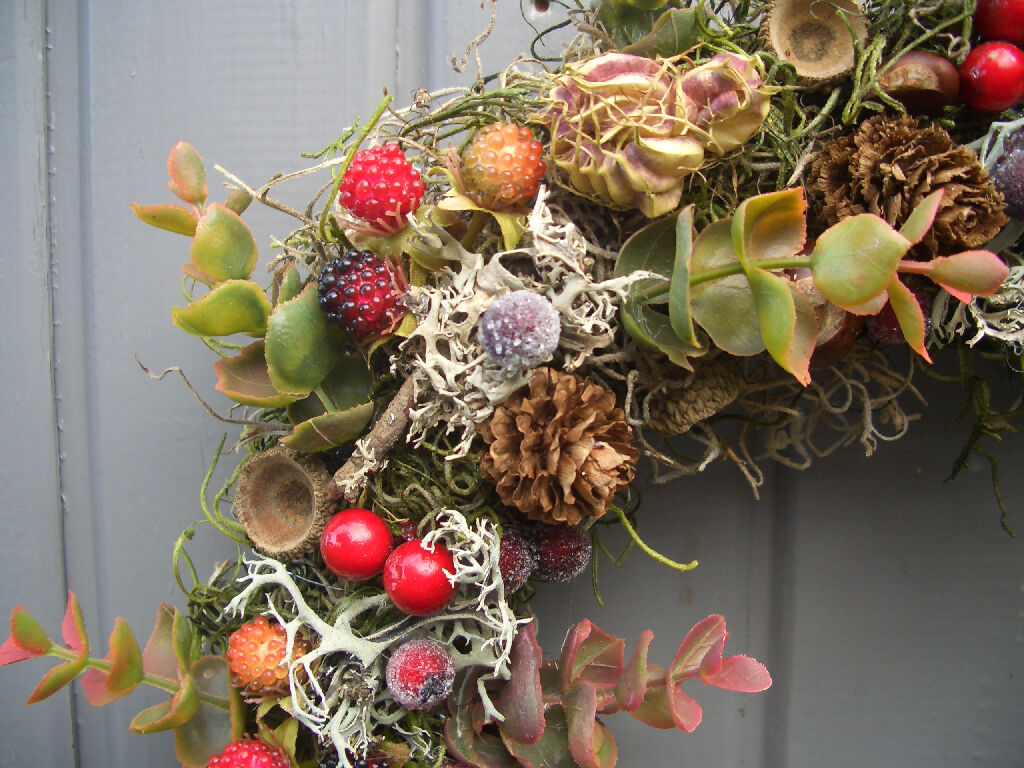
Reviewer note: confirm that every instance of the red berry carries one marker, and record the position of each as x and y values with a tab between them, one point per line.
363	294
563	552
256	656
415	579
355	544
1000	20
501	167
420	674
517	560
249	753
992	77
381	187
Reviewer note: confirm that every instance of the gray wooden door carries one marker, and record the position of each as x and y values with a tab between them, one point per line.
888	604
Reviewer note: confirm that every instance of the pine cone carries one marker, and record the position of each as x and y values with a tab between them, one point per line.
559	450
888	166
677	406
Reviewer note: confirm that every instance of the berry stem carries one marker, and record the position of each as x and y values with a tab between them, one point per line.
476	224
650	552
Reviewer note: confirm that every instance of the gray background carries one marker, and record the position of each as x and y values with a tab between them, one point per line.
888	604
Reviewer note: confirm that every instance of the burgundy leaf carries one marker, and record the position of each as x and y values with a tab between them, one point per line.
632	685
591	653
521	700
686	712
580	707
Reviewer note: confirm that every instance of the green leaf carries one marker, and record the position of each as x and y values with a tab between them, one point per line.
184	641
674	32
653	329
56	679
625	23
158	657
173	713
552	750
193	272
224	246
173	218
286	284
188	177
28	639
679	291
73	632
235	306
854	260
301	348
769	227
246	380
909	315
520	700
632	686
125	673
787	322
211	728
920	219
238	200
348	383
652	248
335	428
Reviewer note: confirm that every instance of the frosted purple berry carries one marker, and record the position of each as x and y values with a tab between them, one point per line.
420	674
563	552
1008	177
517	560
520	331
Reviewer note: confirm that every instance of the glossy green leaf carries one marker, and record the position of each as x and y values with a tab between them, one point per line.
909	315
787	322
125	673
301	347
329	430
551	750
920	219
235	306
652	248
674	32
769	227
286	284
184	641
245	379
173	713
632	686
348	383
224	246
28	639
520	700
158	656
854	260
238	200
211	728
968	274
679	290
194	273
188	177
173	218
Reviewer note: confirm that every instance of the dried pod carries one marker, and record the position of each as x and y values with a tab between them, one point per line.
282	502
815	36
923	82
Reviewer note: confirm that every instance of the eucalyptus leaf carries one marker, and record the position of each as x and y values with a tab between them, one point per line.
330	429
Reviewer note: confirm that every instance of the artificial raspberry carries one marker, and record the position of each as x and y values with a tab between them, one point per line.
420	674
256	656
563	552
519	331
363	294
381	187
249	753
885	329
501	168
517	560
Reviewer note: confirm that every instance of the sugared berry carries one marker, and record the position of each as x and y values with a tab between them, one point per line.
257	656
1008	177
415	578
249	753
355	544
517	560
501	167
363	294
381	187
563	552
420	674
519	331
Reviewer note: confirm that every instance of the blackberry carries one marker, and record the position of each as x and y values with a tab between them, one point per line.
363	294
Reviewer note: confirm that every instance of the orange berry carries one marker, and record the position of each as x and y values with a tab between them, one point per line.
256	656
501	168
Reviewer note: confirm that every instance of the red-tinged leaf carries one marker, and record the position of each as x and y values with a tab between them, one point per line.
787	322
654	710
233	306
606	751
173	218
28	639
580	706
224	246
211	728
521	700
552	751
712	662
632	686
238	200
770	226
188	177
56	679
286	284
591	653
184	642
702	639
195	273
679	288
686	712
920	219
245	379
329	430
740	673
125	674
909	315
461	735
73	628
158	656
969	274
174	712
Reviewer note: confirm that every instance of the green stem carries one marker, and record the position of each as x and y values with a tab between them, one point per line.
717	273
476	224
657	556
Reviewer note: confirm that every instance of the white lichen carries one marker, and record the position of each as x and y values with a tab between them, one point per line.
999	316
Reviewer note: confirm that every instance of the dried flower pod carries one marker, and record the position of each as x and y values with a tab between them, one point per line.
813	36
559	450
282	502
889	165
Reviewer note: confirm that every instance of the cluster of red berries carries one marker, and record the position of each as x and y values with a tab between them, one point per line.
363	294
249	753
381	187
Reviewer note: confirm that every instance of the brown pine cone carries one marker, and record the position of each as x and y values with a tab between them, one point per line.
559	450
677	406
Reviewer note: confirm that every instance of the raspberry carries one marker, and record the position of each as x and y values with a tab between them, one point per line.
501	168
381	187
256	656
420	674
363	294
885	328
563	552
249	753
519	331
516	560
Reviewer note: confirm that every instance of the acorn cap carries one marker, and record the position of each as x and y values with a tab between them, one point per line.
282	502
813	36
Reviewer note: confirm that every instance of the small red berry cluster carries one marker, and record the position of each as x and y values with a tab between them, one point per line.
381	187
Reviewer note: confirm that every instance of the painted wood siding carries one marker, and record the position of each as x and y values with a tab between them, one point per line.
888	603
